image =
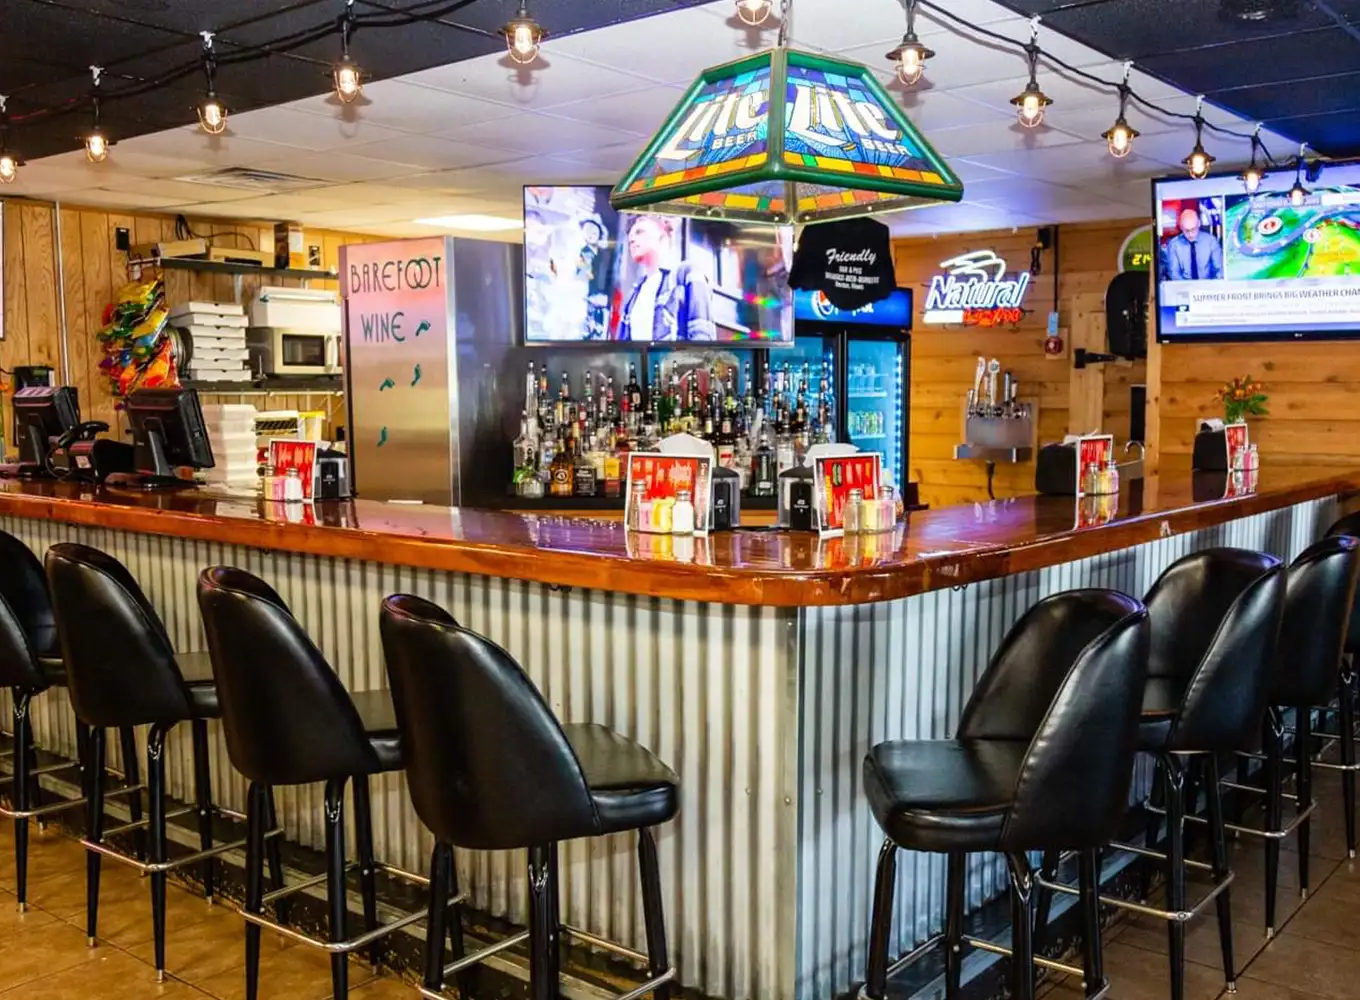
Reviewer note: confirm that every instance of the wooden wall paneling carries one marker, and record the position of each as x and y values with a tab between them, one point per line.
96	239
1152	455
44	335
1087	404
14	348
75	360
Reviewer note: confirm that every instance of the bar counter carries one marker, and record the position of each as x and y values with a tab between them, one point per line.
761	666
931	549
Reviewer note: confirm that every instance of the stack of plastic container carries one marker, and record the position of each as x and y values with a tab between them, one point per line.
231	432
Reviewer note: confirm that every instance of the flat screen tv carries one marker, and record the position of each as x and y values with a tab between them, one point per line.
593	274
1234	266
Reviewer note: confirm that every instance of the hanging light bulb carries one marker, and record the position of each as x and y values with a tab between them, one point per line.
1199	161
1119	136
1298	193
1252	176
1031	102
911	55
212	113
349	78
9	162
523	35
754	12
97	143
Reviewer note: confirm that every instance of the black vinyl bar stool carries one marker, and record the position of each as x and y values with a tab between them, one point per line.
1042	760
30	663
122	671
490	768
1348	525
1317	608
289	721
1215	620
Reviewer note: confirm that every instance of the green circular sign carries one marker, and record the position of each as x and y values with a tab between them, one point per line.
1136	252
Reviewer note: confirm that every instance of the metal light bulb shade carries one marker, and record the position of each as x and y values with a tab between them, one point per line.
1198	162
349	80
9	168
96	147
1030	105
523	36
1251	179
212	116
1119	138
911	58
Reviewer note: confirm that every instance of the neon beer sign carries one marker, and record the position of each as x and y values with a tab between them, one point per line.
975	290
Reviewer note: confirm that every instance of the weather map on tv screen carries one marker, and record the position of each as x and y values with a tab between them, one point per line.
1233	265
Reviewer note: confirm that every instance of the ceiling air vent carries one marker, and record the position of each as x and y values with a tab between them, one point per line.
249	179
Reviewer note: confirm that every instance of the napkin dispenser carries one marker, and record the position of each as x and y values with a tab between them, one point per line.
1055	470
795	499
726	511
1211	450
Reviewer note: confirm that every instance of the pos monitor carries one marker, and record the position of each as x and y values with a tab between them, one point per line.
42	415
168	433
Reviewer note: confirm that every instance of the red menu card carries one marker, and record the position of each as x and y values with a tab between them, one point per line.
834	478
1095	451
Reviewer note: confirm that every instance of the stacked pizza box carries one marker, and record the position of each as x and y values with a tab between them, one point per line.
216	332
231	433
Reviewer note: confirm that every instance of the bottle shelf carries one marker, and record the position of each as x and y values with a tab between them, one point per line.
866	395
867	437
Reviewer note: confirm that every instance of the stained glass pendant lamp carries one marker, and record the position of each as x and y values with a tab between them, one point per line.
786	137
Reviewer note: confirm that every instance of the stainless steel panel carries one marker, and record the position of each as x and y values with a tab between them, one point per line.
904	670
401	369
710	688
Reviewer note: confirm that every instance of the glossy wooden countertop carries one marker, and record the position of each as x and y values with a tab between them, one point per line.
930	550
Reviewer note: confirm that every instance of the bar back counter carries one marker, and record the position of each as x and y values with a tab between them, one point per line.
761	666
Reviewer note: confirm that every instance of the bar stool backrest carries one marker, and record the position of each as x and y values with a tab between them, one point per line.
120	663
1317	607
488	765
1083	654
286	717
28	627
1350	525
1216	618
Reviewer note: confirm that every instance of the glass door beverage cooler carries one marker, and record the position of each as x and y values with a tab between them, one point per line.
869	350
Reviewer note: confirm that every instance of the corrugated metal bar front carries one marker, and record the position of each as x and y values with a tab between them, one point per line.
904	670
710	688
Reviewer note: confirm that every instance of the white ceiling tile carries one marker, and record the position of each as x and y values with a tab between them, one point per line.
975	140
611	160
334	166
674	48
970	169
540	134
177	190
306	131
431	153
1089	162
400	105
99	198
208	151
551	81
640	110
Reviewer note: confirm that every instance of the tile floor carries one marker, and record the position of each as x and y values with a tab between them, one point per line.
43	954
1315	954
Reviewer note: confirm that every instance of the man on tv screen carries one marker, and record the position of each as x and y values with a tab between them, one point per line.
670	301
1192	255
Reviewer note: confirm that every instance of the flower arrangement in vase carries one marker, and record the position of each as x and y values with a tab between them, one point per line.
1241	398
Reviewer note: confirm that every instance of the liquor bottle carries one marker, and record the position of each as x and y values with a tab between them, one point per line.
583	475
525	481
785	449
607	403
649	433
563	470
632	391
563	415
588	399
764	469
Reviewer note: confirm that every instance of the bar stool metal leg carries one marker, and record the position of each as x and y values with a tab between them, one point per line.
1174	784
1303	788
436	918
94	826
203	801
1022	927
1043	907
1093	959
83	753
368	875
554	917
542	927
335	883
256	811
22	783
127	737
953	924
1218	848
653	911
1347	715
155	786
880	924
1274	751
453	923
274	852
1152	839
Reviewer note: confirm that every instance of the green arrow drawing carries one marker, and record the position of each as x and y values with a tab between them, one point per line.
382	437
424	325
387	383
417	376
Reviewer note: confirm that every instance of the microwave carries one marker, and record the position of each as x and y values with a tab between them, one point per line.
282	351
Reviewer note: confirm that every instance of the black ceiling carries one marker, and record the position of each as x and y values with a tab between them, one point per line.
1294	64
47	47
